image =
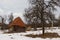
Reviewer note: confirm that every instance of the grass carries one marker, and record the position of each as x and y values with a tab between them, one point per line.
46	35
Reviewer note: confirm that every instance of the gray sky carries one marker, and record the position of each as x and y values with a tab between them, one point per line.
57	12
17	7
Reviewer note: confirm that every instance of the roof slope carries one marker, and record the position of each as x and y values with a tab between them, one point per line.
17	22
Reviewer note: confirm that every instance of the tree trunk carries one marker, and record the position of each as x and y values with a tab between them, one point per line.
42	21
35	28
43	30
42	18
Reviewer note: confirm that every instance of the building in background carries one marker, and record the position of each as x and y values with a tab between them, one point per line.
17	25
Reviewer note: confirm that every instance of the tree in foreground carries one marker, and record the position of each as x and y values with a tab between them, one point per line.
41	11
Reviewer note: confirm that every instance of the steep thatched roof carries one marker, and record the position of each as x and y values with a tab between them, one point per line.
17	21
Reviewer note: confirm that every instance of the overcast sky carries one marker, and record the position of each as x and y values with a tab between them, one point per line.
16	6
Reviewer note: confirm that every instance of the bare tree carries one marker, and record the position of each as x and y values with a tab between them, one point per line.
40	11
10	17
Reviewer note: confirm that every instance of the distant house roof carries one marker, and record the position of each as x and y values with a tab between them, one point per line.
17	21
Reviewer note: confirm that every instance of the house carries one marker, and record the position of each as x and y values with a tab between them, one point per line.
17	25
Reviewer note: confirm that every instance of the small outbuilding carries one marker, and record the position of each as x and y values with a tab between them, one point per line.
17	25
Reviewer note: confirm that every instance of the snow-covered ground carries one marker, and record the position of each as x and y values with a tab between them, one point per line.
20	36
